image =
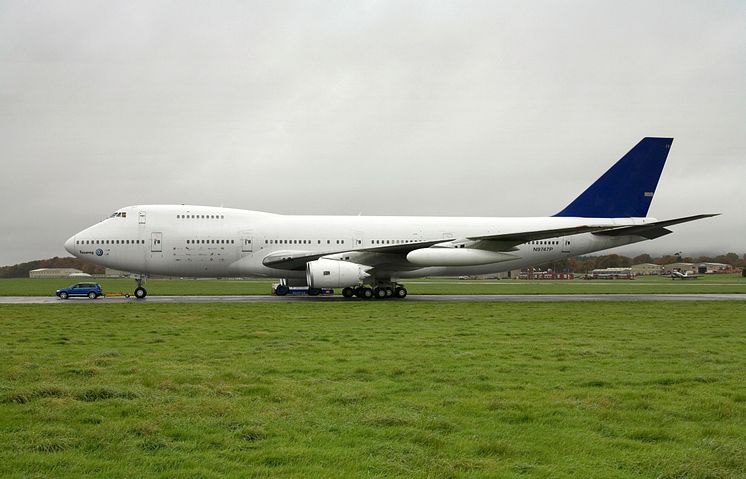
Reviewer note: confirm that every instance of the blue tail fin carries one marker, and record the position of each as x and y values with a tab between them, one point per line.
627	188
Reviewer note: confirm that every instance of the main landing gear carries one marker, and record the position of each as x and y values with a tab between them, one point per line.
140	292
395	291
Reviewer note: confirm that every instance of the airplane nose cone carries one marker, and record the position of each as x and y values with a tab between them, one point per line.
70	245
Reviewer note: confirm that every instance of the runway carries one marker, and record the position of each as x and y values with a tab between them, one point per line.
449	298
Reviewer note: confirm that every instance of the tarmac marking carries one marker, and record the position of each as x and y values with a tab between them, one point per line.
452	298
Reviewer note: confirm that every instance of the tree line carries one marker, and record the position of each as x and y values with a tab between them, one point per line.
584	264
21	270
579	264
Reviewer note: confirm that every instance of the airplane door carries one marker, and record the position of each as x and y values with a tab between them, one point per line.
155	242
246	244
141	217
566	246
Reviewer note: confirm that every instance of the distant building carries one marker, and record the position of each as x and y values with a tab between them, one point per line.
115	273
644	269
706	268
612	273
512	274
54	273
532	273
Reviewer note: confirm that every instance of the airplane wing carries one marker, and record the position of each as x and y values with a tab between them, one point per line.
507	241
652	230
295	260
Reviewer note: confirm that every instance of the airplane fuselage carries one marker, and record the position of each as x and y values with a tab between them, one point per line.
203	241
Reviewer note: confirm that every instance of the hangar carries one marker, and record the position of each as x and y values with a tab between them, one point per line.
56	273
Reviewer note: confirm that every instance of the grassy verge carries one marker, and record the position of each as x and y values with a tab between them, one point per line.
373	389
722	284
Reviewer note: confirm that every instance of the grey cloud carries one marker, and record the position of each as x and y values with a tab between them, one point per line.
436	108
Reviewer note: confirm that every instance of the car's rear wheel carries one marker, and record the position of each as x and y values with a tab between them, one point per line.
63	295
91	295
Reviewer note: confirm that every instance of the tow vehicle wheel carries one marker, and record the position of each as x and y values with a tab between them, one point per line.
63	295
379	293
314	291
365	293
400	293
282	290
140	292
348	292
91	295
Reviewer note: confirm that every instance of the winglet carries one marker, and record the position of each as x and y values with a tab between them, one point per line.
627	188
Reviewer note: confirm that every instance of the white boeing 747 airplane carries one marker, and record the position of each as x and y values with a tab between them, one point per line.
369	256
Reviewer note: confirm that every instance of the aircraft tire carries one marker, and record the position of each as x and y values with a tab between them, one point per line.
348	292
379	293
400	293
282	290
140	292
314	291
365	293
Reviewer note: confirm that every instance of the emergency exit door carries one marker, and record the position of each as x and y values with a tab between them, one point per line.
246	244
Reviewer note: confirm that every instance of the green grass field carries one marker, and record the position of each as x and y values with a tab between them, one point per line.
373	389
722	284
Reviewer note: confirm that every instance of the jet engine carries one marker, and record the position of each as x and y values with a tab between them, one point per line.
329	273
456	257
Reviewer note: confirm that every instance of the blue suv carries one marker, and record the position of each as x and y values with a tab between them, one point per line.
92	290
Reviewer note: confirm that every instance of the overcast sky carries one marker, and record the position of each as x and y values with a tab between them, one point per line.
380	108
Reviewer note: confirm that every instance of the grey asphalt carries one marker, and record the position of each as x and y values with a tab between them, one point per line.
451	298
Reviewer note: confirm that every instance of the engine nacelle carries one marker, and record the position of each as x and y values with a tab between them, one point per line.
456	257
329	273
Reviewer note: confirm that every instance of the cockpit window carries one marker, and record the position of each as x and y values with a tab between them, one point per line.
119	214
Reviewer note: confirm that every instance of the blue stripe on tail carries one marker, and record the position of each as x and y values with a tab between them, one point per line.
627	188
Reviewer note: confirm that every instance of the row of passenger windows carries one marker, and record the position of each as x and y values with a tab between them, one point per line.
211	241
110	241
200	217
544	242
297	241
393	241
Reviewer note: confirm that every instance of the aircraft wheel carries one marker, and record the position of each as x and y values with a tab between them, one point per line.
389	292
91	295
314	291
348	292
400	293
282	290
63	295
140	292
365	293
379	293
